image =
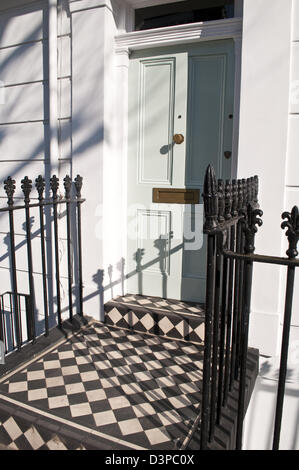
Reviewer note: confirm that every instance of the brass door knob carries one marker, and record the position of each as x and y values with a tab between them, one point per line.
178	138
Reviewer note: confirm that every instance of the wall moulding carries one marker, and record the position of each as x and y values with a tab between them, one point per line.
182	34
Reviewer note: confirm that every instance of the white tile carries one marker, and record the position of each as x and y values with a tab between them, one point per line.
109	382
115	315
114	355
66	354
12	428
182	359
36	375
88	376
81	409
96	395
83	360
133	359
105	417
142	376
130	389
34	438
56	444
165	325
79	345
54	381
174	370
143	350
118	402
102	365
74	388
130	426
162	355
51	364
144	409
170	345
38	394
154	395
194	375
70	370
188	387
165	381
17	387
13	446
150	365
190	349
169	417
179	401
122	370
58	402
157	436
148	321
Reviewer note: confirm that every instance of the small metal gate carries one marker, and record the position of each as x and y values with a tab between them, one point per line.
232	216
17	328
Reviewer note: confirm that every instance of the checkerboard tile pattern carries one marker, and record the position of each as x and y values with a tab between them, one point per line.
170	318
142	389
17	434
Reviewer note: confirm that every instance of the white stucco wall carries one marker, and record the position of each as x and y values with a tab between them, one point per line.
265	81
97	154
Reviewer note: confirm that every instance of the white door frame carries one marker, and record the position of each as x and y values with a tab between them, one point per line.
125	43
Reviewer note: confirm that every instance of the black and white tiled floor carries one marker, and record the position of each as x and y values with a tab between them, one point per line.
169	318
133	390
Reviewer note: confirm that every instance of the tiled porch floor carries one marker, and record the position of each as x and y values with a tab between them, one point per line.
125	389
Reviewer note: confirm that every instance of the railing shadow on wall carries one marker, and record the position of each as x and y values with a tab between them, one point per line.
232	215
18	311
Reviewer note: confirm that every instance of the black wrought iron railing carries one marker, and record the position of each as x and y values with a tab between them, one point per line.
232	216
11	324
16	330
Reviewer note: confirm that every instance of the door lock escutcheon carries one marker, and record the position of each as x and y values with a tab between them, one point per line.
178	138
227	154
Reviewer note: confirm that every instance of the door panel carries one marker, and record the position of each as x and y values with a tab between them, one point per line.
156	110
184	90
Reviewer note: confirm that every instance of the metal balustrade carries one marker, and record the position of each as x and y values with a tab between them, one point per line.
13	328
232	216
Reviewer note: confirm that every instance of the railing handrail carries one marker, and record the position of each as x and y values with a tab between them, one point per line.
45	202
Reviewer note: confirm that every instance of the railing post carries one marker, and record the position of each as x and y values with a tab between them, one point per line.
26	186
249	224
78	187
67	187
9	187
40	186
211	213
292	224
217	306
54	184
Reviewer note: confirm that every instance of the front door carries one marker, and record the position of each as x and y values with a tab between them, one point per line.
186	92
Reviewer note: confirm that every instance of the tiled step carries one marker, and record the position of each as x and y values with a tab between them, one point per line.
103	388
169	318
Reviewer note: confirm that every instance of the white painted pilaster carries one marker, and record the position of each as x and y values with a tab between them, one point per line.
266	53
88	138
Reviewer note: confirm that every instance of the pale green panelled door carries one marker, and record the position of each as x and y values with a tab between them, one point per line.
185	90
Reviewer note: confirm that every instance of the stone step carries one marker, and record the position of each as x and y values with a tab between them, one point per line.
163	317
96	386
